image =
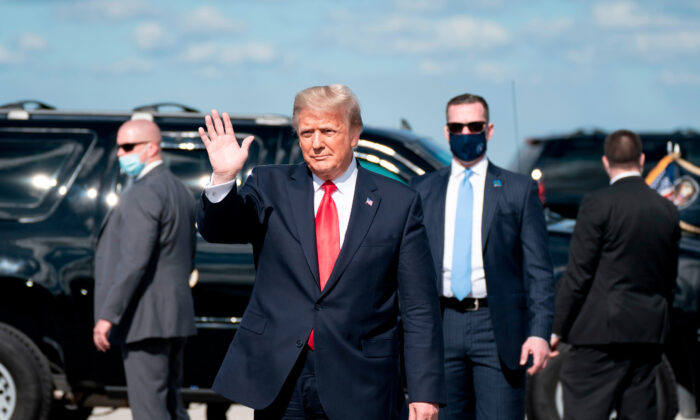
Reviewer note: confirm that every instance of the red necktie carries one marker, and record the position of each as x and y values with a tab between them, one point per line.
327	238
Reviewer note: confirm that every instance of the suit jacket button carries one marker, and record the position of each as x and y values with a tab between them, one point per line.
317	307
300	343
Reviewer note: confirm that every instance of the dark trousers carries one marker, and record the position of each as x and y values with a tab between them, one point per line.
479	386
598	379
298	399
154	371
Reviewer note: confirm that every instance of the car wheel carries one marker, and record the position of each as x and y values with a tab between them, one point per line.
25	377
544	395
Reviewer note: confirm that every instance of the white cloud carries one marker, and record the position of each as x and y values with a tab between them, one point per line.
492	72
7	56
584	55
626	15
434	67
679	79
199	52
420	5
229	54
548	28
211	72
32	42
127	66
655	45
400	34
105	9
150	36
207	19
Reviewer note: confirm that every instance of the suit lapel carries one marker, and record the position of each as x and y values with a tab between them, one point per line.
301	199
361	217
492	192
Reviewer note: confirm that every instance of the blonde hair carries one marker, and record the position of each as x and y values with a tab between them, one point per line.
335	97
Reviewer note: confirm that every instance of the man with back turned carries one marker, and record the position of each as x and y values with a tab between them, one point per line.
613	301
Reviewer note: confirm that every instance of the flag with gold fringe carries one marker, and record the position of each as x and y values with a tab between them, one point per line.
679	181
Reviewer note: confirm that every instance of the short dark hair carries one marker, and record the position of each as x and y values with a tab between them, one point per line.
623	148
468	98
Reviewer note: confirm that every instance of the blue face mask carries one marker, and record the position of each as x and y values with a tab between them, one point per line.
131	164
468	147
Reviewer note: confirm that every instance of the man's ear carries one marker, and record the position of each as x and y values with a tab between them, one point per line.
641	162
606	164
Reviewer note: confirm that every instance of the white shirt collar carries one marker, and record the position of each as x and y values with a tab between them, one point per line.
478	169
148	168
625	174
344	183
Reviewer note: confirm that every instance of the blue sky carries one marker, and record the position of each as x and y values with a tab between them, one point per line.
567	64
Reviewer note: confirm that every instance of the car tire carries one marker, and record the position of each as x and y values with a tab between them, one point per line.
25	377
544	399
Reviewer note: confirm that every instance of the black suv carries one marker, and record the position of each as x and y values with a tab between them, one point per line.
58	177
568	166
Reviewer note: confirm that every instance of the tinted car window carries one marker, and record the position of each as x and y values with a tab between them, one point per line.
37	169
569	167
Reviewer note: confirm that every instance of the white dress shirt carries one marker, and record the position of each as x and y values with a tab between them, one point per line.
148	168
478	181
625	174
342	196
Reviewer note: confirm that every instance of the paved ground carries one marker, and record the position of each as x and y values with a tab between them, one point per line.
196	411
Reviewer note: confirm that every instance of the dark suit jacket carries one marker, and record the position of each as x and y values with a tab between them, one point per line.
517	264
384	269
622	267
145	253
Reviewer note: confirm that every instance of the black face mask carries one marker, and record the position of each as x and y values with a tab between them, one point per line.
468	147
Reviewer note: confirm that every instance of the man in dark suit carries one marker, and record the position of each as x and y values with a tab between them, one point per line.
613	301
489	241
340	253
145	253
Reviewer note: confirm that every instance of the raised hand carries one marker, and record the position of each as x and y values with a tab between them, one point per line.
225	155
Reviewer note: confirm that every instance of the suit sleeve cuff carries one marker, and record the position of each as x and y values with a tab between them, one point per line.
541	338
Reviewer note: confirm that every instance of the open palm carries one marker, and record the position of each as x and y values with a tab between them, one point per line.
225	155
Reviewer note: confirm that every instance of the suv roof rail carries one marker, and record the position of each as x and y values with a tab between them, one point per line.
157	107
23	105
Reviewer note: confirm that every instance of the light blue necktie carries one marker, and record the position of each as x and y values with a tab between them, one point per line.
461	277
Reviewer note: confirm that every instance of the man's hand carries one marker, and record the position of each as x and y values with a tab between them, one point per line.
100	334
539	349
225	155
554	344
422	411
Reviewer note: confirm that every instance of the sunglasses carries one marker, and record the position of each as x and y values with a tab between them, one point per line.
127	147
474	127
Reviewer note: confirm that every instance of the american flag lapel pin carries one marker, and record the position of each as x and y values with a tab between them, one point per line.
497	183
369	202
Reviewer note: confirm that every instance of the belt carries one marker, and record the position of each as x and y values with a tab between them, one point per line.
466	305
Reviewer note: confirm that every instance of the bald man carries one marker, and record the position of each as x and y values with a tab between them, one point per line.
145	253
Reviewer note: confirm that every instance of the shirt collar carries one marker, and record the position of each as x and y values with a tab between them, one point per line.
478	169
343	183
625	174
148	168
